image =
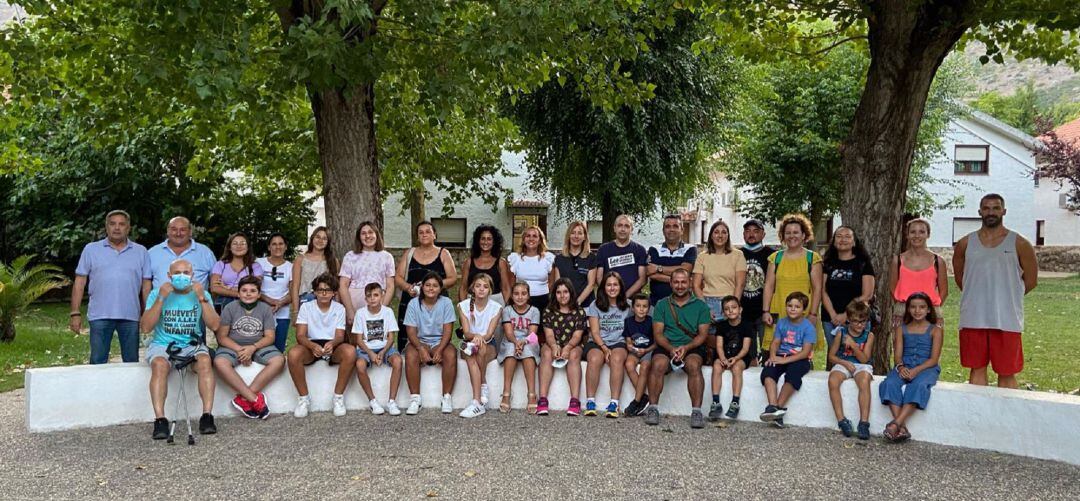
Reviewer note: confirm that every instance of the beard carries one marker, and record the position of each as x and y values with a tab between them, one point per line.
991	221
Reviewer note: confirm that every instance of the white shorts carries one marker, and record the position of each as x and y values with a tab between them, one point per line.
867	368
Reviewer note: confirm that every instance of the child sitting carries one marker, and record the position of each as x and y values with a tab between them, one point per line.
735	351
849	352
564	326
789	356
916	348
637	329
320	334
520	322
375	332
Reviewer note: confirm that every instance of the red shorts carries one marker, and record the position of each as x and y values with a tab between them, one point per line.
982	347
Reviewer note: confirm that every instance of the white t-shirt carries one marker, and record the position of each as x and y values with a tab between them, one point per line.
321	325
479	320
276	284
375	327
533	270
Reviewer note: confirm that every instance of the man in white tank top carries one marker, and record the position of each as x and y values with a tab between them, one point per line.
995	267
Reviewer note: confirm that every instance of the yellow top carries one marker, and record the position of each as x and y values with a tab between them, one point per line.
792	274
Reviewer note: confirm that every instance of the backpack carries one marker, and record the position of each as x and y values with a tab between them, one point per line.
809	260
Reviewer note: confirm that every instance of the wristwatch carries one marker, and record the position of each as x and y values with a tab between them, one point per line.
659	269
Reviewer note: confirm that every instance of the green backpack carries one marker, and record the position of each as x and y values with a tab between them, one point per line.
809	259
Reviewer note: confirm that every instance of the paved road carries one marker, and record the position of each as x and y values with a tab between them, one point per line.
361	456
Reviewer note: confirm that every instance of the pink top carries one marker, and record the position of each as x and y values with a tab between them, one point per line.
911	281
366	267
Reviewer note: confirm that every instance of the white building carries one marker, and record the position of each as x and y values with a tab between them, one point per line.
1055	224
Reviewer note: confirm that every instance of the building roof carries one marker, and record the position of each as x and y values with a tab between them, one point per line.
1069	132
528	204
1004	128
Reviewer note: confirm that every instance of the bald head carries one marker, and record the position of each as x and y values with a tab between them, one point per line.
180	266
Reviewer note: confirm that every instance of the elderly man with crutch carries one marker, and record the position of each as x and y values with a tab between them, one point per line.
176	312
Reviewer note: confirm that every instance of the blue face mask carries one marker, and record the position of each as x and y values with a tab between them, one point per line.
180	281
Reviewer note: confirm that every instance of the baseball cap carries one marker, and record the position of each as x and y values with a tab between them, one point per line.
753	222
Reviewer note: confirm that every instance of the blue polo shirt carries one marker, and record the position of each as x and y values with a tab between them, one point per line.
660	255
114	279
202	261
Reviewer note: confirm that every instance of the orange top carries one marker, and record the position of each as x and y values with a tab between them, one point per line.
911	281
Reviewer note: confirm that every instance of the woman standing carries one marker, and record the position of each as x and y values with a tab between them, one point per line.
849	276
793	268
416	264
276	284
534	265
485	257
577	262
236	262
316	260
918	269
367	263
720	271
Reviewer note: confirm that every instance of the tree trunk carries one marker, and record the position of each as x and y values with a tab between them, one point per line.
608	213
7	331
344	122
907	45
417	211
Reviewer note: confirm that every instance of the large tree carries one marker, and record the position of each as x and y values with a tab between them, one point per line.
907	40
637	157
237	70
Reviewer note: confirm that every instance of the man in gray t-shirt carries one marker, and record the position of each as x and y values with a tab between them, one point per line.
246	335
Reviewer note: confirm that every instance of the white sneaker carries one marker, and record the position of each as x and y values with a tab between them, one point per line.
339	405
484	392
392	408
472	410
376	409
447	404
414	405
302	405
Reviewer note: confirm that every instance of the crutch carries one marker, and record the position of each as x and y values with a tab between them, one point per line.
180	363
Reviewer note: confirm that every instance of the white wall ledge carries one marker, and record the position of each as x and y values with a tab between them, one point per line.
1033	424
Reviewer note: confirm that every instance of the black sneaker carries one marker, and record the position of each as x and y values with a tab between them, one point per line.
845	426
732	411
779	423
206	424
716	411
643	405
631	409
161	428
770	414
864	430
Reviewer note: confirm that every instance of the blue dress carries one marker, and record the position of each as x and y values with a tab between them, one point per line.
894	390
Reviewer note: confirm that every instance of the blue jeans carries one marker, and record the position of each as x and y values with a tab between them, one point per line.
281	334
101	333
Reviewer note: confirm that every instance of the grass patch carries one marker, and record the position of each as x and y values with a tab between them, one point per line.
1051	337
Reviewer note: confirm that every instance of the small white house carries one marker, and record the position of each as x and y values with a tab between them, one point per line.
1055	224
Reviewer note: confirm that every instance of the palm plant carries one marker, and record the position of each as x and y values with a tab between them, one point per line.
20	286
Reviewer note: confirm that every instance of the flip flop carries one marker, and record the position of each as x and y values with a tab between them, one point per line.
904	434
504	406
531	408
892	431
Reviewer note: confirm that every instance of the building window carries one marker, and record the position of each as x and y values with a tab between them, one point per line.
962	226
449	231
596	234
972	159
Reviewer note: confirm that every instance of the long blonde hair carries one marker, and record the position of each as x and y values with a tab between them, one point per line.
585	244
480	277
542	248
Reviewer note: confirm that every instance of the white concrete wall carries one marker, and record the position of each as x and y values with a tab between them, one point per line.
1035	424
1011	164
1062	225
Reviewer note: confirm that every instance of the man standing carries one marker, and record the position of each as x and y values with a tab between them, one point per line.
116	269
665	258
176	313
180	245
994	268
624	256
681	328
757	261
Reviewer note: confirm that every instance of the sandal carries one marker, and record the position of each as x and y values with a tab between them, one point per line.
904	434
892	431
531	408
504	406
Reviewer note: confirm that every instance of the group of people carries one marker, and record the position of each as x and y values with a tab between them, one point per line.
546	312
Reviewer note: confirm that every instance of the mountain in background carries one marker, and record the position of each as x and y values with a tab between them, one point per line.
1053	84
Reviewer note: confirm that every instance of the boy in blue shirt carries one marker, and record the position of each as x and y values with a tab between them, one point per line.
790	356
637	329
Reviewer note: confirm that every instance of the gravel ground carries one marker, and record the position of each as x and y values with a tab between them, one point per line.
502	457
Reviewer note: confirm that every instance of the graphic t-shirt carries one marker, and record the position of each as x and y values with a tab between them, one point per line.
429	322
275	282
622	260
757	263
793	336
733	336
660	255
843	282
563	325
247	327
375	327
520	322
181	318
321	325
845	352
640	333
611	322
